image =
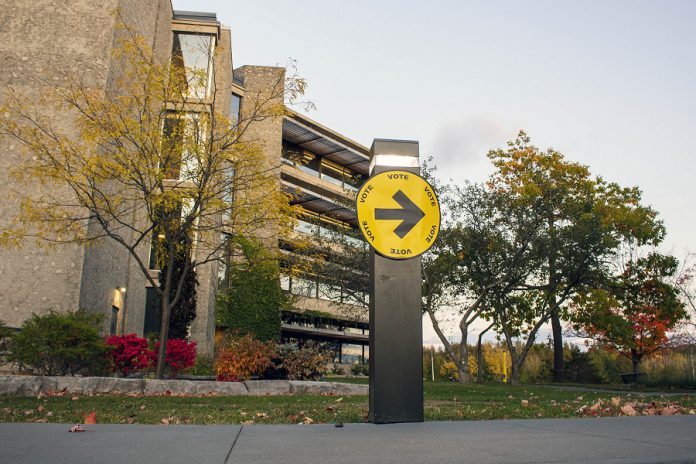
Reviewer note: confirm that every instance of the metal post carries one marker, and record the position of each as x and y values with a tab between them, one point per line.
396	340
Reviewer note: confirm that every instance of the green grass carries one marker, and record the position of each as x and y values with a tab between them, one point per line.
443	401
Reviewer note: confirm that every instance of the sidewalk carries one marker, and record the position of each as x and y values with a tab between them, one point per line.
622	440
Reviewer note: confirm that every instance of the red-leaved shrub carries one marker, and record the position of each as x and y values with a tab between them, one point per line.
244	357
180	354
129	353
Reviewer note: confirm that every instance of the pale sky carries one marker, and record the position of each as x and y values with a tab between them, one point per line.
609	84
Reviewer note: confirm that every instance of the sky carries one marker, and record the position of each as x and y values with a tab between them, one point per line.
609	84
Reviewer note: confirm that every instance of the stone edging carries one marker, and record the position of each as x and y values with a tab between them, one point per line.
22	385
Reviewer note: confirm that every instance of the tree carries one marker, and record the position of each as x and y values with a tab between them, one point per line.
184	311
148	161
485	250
637	308
585	219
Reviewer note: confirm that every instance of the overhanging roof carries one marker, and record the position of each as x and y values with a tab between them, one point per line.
319	203
312	136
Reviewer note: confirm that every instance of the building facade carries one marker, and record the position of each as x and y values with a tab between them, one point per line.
319	168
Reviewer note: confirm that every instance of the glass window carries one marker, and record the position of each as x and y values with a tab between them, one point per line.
332	174
235	110
182	137
306	227
329	292
192	63
310	165
285	282
304	287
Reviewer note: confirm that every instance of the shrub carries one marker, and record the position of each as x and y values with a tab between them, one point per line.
129	353
180	354
5	336
243	358
308	362
360	369
202	366
59	344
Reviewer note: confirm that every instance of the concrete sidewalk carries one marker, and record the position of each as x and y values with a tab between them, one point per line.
608	440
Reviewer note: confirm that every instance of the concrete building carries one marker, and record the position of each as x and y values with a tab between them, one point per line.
43	41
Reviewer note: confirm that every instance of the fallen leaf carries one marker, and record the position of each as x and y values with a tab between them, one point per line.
142	407
76	428
91	418
28	412
307	420
649	412
7	410
130	420
616	401
261	414
75	398
668	411
339	400
40	408
628	410
242	413
330	408
524	402
165	421
49	413
596	406
249	422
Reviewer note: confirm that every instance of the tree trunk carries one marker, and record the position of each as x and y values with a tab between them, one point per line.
635	360
515	370
463	365
164	335
479	359
558	361
480	362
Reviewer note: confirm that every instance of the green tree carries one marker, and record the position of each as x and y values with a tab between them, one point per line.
585	219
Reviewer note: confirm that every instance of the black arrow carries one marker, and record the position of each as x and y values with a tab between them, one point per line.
409	214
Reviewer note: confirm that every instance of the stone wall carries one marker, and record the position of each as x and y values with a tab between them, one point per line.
42	44
33	386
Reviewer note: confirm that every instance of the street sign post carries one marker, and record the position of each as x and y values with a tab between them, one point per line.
399	216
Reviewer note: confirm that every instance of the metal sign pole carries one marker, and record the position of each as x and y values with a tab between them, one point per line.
396	340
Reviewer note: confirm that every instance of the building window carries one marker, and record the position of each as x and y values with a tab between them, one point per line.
192	61
113	327
183	137
153	308
235	109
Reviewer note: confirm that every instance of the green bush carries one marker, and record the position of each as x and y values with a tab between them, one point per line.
59	344
203	366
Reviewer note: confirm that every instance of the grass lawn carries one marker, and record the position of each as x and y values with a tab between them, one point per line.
443	401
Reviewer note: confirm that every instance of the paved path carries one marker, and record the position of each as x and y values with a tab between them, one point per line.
618	440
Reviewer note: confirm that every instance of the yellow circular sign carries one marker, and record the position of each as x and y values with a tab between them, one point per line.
398	214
